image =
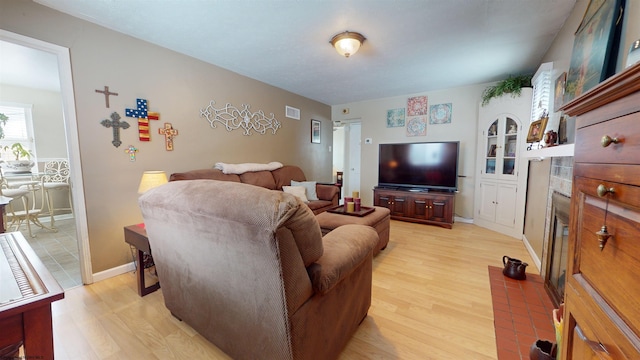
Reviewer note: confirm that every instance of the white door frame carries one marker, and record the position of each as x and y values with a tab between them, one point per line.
73	143
351	184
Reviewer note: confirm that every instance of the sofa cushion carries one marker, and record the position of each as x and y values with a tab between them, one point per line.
259	178
285	174
310	187
306	231
297	191
208	174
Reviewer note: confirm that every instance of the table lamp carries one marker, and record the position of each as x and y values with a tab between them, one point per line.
151	179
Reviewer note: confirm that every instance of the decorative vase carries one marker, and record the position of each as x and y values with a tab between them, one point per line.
514	268
542	350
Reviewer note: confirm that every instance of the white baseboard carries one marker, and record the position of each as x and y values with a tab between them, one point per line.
462	220
533	254
118	270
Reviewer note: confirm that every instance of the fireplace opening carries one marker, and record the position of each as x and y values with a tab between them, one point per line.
556	269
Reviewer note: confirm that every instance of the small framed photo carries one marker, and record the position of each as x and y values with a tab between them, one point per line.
536	130
511	148
315	131
558	94
562	130
492	151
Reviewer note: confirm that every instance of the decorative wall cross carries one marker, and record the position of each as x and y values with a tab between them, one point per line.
116	124
169	132
131	151
143	118
106	93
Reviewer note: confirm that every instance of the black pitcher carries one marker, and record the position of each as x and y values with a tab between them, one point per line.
514	268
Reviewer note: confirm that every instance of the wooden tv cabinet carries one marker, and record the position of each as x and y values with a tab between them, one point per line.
433	207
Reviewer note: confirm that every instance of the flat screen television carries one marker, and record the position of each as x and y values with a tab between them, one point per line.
419	166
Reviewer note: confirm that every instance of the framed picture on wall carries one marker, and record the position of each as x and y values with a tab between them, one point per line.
558	94
594	49
315	131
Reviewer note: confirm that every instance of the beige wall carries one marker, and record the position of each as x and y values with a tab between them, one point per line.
462	128
177	87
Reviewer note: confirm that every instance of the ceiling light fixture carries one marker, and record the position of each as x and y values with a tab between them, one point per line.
347	43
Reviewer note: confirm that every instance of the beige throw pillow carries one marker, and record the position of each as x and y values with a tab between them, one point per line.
297	191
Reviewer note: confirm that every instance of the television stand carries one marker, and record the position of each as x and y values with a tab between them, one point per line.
433	207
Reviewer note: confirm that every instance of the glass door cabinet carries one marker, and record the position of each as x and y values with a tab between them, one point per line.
501	149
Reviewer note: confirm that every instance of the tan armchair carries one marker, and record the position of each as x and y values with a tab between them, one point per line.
248	268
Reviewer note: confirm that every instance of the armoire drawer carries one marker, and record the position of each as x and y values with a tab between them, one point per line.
613	269
591	333
626	129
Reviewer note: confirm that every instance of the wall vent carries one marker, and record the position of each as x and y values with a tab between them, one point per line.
292	113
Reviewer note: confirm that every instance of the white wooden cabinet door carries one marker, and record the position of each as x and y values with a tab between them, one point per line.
487	206
506	200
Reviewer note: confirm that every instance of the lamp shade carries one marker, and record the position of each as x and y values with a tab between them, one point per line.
151	179
347	43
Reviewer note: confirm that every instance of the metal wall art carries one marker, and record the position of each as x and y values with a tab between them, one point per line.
233	118
116	125
106	94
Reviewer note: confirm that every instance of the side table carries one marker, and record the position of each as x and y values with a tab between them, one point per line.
136	235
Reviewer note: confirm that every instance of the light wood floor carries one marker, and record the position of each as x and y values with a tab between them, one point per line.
431	300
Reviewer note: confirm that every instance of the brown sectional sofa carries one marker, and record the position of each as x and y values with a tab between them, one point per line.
328	195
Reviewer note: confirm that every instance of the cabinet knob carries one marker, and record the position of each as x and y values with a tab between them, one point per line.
603	190
607	140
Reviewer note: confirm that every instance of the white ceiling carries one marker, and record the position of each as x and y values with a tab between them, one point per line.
412	46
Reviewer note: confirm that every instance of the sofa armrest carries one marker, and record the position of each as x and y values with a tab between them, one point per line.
328	192
345	248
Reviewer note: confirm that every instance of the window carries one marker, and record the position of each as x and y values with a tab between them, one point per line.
541	82
18	129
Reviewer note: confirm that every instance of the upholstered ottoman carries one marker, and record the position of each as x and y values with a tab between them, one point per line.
378	220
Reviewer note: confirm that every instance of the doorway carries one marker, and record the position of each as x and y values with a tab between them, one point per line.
75	227
346	153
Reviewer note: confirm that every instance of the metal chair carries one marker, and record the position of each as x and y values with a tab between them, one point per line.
56	177
27	215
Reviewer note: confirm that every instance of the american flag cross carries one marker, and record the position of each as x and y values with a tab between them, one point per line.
143	115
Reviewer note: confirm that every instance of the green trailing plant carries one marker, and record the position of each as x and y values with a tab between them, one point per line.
512	85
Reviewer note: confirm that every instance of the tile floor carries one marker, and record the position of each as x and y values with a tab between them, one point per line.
58	251
522	313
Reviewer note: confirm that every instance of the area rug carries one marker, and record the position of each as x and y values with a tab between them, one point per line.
522	313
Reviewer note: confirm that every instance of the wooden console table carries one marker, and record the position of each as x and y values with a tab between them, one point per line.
136	235
27	290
